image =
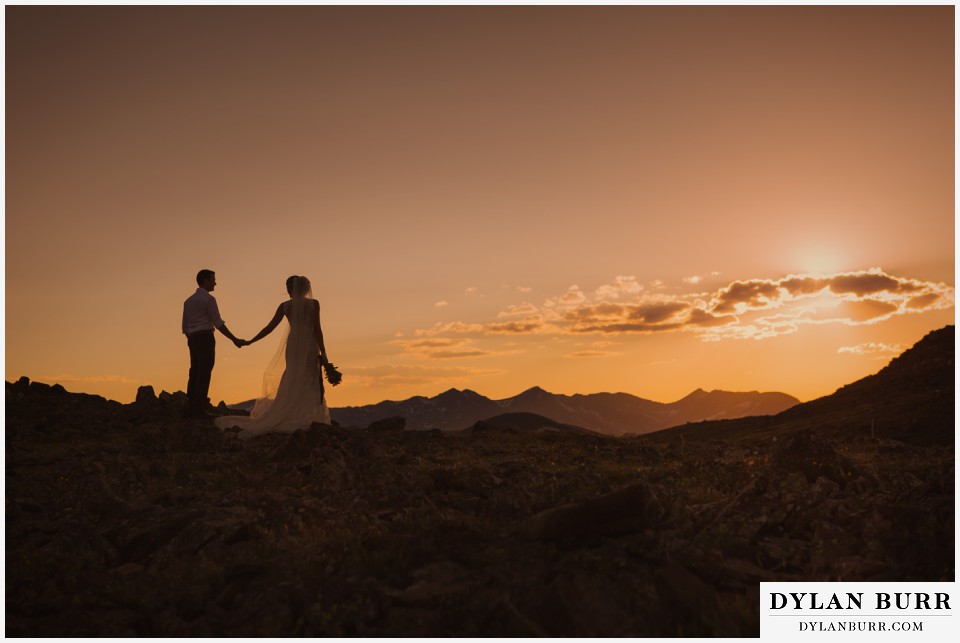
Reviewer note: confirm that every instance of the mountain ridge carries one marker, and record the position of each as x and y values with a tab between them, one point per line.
605	413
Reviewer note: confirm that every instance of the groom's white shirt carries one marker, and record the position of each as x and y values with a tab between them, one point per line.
200	312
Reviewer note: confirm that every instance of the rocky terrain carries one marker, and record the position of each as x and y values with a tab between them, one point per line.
125	520
606	413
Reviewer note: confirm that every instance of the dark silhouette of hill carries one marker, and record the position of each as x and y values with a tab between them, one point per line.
527	423
910	400
606	413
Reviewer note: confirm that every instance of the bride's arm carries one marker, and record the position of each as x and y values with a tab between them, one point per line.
269	327
319	333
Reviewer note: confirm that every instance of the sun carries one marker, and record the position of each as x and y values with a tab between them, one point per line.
821	259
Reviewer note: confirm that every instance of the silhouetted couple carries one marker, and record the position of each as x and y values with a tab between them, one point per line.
292	396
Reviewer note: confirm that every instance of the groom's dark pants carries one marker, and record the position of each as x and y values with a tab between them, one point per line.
202	356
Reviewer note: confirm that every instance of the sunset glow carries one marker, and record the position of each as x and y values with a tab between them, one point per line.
640	199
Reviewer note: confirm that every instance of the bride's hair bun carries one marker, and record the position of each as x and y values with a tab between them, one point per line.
297	285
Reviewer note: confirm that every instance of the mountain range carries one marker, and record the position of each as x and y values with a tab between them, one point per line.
606	413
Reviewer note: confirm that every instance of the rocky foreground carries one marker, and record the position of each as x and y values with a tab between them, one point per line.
124	520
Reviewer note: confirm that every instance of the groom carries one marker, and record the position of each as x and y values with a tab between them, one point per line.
200	317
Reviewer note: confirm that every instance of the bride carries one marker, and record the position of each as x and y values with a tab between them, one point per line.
292	390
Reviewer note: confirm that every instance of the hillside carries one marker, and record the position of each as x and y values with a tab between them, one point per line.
911	400
527	423
606	413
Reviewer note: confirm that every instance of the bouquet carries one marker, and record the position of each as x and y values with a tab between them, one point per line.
333	375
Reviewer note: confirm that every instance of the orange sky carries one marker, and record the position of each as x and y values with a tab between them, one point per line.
581	198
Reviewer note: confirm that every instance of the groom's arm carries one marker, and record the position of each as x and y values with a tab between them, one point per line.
226	331
214	313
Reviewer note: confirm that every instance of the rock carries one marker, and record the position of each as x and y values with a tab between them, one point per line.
155	536
745	572
240	572
192	604
396	423
177	397
437	583
814	456
127	568
241	533
39	388
692	598
145	394
784	553
19	389
621	512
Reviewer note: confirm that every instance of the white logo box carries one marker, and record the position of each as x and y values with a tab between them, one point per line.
858	611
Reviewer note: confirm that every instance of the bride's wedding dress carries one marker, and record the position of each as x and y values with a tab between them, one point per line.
292	393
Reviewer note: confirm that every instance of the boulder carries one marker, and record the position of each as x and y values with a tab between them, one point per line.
19	389
621	512
145	394
691	598
178	400
396	423
40	388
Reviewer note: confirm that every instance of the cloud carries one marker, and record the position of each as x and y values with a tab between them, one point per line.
528	325
622	285
652	316
522	309
864	310
441	304
872	348
929	301
694	280
441	348
746	295
868	284
852	298
657	313
459	354
449	327
742	309
873	286
587	354
572	297
431	343
701	318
